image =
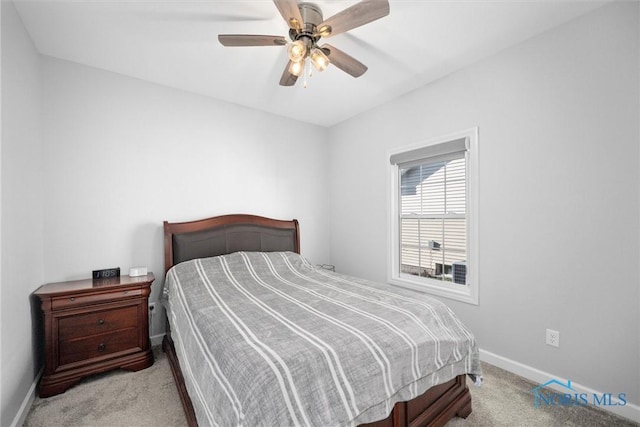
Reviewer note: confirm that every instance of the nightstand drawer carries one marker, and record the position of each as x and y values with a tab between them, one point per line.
98	345
99	322
58	303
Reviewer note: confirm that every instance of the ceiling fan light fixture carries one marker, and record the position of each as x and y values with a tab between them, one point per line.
296	68
294	23
319	59
297	51
306	27
324	31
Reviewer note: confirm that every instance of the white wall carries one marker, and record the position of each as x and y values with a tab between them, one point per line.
123	155
21	214
559	194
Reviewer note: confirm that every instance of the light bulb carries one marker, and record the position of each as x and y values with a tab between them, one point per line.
296	68
319	59
297	51
325	31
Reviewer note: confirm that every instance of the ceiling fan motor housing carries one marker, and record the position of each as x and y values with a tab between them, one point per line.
311	18
311	14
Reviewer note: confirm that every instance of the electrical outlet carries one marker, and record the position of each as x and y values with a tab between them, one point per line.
553	338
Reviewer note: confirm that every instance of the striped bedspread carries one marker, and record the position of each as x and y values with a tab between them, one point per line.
266	339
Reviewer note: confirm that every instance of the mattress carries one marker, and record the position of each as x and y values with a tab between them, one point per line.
269	339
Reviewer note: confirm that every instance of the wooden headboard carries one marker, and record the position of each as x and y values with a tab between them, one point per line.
225	234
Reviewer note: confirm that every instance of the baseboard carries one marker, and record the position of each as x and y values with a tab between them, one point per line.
629	410
156	339
21	416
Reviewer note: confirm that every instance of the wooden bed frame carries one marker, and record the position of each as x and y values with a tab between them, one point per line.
231	233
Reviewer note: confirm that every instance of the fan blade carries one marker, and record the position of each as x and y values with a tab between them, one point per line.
250	40
345	62
355	16
287	78
290	12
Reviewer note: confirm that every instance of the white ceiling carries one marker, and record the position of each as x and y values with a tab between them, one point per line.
174	43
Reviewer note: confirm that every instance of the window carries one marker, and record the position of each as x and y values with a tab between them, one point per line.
434	217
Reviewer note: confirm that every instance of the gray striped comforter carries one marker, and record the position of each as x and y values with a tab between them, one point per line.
267	339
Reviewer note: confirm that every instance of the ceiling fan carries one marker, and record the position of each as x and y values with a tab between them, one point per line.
306	28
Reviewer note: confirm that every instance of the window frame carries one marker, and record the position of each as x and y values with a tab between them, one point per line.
468	293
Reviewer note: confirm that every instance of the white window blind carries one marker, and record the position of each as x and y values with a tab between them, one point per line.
458	145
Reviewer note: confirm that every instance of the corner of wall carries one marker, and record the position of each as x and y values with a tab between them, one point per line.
21	212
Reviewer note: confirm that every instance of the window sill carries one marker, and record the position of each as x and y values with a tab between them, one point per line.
438	288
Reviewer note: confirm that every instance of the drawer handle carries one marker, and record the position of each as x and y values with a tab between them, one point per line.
100	321
101	347
72	299
126	292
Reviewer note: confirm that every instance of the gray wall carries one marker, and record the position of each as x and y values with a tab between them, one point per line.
559	194
22	209
124	155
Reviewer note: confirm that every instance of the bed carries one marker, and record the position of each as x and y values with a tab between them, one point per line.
302	362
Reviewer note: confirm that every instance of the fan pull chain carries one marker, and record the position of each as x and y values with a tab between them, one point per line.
306	64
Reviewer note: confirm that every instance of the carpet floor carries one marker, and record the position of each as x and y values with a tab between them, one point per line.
149	398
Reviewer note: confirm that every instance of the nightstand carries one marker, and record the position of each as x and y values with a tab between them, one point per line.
92	326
